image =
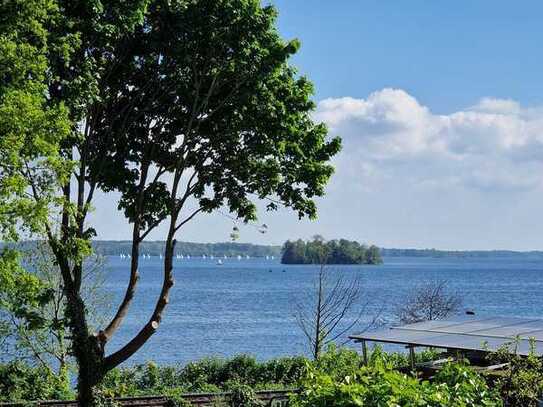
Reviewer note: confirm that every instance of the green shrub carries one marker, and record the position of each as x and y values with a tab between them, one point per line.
463	386
522	382
207	375
243	396
21	382
379	385
200	374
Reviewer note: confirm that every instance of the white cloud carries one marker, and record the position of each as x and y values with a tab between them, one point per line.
495	144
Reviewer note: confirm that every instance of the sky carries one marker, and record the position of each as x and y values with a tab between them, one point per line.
440	108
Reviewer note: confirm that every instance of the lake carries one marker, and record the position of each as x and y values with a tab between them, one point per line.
247	306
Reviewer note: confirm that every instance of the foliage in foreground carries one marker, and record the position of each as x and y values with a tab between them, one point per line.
522	383
21	382
206	375
380	385
336	379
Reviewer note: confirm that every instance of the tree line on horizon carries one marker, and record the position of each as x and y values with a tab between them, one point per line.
318	251
155	248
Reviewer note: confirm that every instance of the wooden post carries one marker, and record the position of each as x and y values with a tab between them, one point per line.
365	353
412	357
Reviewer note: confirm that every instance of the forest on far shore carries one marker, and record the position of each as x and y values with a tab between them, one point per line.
319	251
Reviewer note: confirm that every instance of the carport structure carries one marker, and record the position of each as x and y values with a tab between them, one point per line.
462	334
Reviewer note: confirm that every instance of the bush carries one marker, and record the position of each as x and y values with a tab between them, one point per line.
522	383
379	385
200	374
207	375
243	396
341	362
21	382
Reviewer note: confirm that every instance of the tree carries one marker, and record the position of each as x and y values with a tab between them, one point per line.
428	302
181	106
323	314
373	255
48	343
318	251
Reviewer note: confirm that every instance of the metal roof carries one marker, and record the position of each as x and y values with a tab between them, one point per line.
465	333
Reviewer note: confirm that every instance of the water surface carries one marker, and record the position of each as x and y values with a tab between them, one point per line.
247	306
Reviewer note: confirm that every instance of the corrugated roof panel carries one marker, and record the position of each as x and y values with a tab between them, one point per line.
537	335
466	334
512	330
437	324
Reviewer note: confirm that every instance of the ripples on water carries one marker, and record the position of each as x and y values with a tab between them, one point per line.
242	307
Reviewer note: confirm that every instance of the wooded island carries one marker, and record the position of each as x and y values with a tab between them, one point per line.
318	251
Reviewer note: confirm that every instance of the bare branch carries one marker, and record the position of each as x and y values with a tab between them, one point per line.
428	302
323	314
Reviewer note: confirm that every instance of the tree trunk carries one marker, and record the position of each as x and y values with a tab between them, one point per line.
88	350
91	372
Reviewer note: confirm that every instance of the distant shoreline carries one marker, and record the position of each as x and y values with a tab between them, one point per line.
116	247
458	253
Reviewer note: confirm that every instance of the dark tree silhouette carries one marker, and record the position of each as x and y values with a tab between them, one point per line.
429	301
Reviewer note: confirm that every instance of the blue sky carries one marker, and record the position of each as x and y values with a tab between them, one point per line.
440	106
448	54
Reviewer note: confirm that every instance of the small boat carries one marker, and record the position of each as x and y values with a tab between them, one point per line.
188	256
267	257
204	256
219	262
247	257
239	257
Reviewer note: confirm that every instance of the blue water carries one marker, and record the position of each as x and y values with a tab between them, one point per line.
242	307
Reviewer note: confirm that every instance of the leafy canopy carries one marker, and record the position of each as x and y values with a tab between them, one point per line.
204	92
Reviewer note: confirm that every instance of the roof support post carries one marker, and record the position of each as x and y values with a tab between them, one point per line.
365	353
412	358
